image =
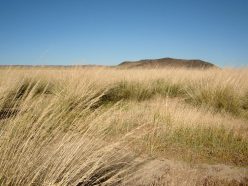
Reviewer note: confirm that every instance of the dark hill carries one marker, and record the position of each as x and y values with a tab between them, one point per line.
166	62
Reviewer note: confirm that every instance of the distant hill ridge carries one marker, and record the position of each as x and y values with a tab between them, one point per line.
145	63
166	62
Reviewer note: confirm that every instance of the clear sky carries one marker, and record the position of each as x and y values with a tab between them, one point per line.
64	32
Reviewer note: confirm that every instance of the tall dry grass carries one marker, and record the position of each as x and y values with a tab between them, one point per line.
99	126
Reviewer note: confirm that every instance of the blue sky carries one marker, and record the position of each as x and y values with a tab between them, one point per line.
65	32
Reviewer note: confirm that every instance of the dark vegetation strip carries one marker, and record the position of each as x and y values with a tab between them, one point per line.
138	91
220	99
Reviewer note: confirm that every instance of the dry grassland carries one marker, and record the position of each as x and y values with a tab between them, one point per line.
103	126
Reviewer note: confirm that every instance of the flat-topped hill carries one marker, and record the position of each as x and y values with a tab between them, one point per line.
166	62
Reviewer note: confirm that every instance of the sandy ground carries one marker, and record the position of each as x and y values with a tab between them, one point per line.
167	172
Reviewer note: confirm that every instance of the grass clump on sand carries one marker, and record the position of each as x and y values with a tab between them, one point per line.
200	144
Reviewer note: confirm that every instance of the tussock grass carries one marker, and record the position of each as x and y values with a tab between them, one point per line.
125	90
219	98
50	144
92	126
25	89
245	101
199	144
